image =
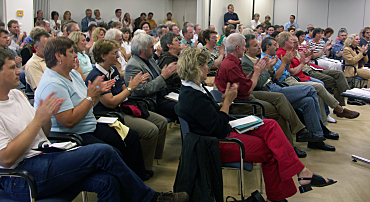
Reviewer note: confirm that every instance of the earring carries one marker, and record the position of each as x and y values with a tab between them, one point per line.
60	62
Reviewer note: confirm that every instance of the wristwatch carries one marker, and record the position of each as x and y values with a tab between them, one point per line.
89	99
129	89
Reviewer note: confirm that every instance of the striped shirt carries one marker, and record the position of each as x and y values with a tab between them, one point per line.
319	48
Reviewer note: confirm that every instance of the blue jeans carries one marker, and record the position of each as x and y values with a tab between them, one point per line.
93	168
319	81
305	98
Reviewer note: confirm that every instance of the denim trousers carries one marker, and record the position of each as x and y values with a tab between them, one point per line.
305	98
94	168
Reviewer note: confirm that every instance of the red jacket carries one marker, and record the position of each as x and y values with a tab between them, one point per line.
294	63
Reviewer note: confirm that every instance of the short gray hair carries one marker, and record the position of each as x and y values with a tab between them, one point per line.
185	29
140	43
112	33
139	31
36	30
342	30
195	26
233	40
159	29
247	31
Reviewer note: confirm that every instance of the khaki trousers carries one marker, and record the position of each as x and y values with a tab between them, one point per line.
152	132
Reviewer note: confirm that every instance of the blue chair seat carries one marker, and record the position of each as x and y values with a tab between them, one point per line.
248	166
60	197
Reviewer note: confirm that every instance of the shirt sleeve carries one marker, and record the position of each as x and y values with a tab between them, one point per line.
4	139
245	83
61	92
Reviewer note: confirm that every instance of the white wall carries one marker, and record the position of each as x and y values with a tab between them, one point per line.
107	8
186	11
10	13
264	7
336	14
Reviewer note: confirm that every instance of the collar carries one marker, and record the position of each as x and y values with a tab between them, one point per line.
264	54
105	72
193	85
254	60
234	59
38	58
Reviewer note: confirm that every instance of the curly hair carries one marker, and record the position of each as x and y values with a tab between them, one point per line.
189	63
96	32
348	42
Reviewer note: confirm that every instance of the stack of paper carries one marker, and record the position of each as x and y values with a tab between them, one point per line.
247	123
172	96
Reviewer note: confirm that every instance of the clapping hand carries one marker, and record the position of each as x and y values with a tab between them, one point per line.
138	79
48	107
231	92
168	70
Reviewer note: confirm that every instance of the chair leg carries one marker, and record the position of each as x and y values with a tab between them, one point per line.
84	196
157	161
261	179
239	182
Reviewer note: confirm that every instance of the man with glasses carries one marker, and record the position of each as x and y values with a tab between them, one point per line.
118	17
86	20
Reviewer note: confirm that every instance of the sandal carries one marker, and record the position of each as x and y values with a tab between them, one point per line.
316	181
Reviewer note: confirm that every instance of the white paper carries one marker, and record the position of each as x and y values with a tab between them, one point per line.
242	121
64	145
107	120
172	96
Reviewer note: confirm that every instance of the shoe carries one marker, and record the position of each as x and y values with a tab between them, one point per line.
150	173
144	177
331	135
300	153
355	102
331	119
320	145
306	136
348	114
173	197
316	181
284	200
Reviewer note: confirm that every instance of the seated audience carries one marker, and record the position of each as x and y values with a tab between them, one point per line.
327	34
152	22
98	33
169	19
117	25
269	30
39	17
116	35
16	37
27	52
217	56
266	23
67	18
337	50
188	33
161	30
75	114
197	29
48	27
171	49
99	20
286	44
354	54
139	20
80	45
55	23
253	24
86	20
72	171
266	144
90	29
72	27
331	78
309	34
118	15
36	65
321	51
151	130
155	87
365	40
127	37
127	22
290	23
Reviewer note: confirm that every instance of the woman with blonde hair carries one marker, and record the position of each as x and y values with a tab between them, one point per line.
267	144
98	33
356	56
85	66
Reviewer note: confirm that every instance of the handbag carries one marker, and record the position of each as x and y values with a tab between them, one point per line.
255	197
134	108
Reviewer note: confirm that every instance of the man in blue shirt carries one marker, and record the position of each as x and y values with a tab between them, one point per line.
230	17
86	20
290	23
309	34
338	47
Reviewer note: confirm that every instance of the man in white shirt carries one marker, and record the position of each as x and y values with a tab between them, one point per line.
253	24
118	16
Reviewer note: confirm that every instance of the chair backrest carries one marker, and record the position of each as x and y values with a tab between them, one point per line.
217	95
184	128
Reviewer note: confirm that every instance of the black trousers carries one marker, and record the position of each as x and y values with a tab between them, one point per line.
166	108
129	149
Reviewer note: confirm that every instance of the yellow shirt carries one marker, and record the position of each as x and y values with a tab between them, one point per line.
152	23
34	68
172	20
